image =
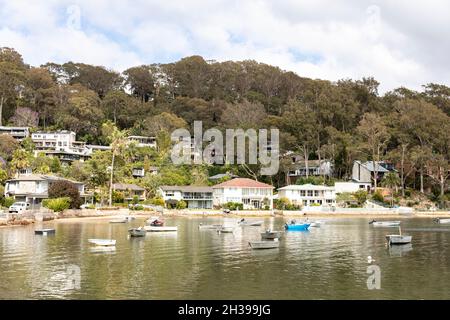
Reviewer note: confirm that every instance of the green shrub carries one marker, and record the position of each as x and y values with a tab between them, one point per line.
118	197
377	196
181	205
7	202
137	208
135	199
58	204
65	189
233	206
408	193
360	196
157	201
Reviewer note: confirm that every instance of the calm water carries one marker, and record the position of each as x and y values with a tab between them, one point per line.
324	263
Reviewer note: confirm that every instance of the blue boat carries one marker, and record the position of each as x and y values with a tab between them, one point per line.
297	227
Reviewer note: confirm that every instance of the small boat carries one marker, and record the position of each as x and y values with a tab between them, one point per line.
385	223
293	226
224	229
121	220
102	242
137	232
160	229
271	235
130	218
44	232
398	238
244	222
264	244
209	226
155	222
315	224
441	220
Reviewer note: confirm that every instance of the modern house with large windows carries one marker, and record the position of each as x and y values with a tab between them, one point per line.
364	171
251	193
309	195
18	133
196	197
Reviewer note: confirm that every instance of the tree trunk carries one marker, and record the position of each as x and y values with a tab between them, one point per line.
306	156
421	180
375	175
402	172
111	180
2	99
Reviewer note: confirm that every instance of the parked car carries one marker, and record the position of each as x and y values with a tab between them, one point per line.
18	207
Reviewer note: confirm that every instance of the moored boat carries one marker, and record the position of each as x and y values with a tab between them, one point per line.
264	244
155	223
293	226
244	222
102	242
270	235
44	231
209	226
160	229
385	223
442	220
398	238
225	229
137	232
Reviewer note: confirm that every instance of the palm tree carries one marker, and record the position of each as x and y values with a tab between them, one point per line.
119	141
391	180
21	159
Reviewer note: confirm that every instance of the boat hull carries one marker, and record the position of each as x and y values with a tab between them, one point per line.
443	221
160	229
119	221
260	245
225	229
386	223
398	239
251	224
137	232
209	227
44	231
102	242
297	227
271	235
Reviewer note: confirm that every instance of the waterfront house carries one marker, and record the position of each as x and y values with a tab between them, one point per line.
130	191
351	186
364	171
309	195
18	133
251	193
33	188
196	197
297	168
142	141
139	172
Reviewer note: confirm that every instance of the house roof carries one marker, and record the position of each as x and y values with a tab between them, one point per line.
369	166
307	186
41	177
125	186
222	175
242	183
187	188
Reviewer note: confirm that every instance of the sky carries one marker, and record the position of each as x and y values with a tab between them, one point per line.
399	43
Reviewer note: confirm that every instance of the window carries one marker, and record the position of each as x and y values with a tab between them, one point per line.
310	193
316	193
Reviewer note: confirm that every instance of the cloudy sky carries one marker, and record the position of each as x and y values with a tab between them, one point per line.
400	43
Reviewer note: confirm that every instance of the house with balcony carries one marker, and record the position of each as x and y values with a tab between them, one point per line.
142	141
251	193
33	188
130	191
18	133
297	168
139	172
196	197
309	195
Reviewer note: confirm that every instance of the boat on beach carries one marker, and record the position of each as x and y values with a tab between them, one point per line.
244	222
293	226
442	220
137	232
120	220
103	242
271	235
160	229
44	232
264	244
385	223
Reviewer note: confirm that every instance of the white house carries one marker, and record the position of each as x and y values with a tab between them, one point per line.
351	186
143	141
308	194
252	194
18	133
297	168
59	140
33	188
196	197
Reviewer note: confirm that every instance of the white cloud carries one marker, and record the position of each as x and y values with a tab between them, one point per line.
400	43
